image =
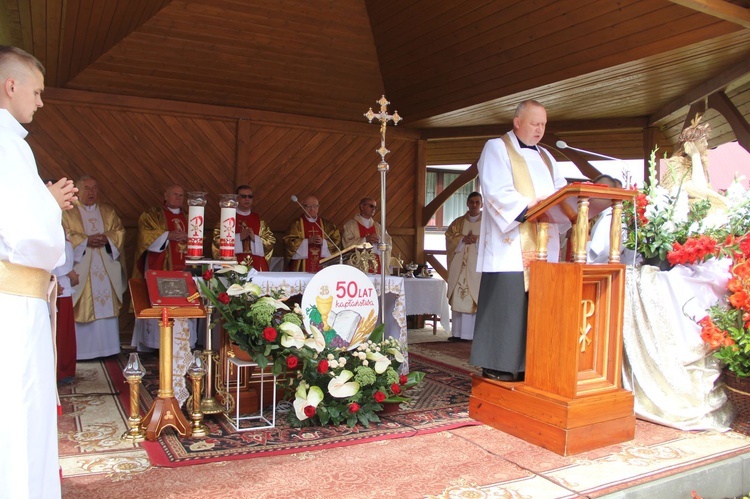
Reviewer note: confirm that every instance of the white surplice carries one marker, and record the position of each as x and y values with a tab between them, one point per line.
31	234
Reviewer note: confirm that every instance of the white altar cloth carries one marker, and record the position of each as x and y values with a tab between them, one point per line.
428	296
667	366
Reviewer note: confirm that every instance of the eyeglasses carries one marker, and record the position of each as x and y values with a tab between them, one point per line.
372	206
246	196
311	206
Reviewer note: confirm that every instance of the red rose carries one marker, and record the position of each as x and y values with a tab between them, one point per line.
379	396
224	298
353	407
269	334
395	388
403	379
323	366
309	411
207	275
291	363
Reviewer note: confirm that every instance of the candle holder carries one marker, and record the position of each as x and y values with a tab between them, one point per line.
196	224
197	371
134	373
228	204
209	405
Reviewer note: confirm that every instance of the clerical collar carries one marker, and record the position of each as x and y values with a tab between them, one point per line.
89	207
524	146
175	211
474	218
244	213
366	222
311	220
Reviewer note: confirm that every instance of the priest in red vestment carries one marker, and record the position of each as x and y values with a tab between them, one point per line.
254	239
310	238
364	229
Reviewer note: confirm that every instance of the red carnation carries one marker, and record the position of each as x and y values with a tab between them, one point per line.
323	368
207	275
395	388
224	298
309	411
354	407
269	334
403	379
379	396
291	363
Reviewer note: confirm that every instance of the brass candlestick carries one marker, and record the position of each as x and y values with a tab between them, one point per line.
197	371
134	373
209	405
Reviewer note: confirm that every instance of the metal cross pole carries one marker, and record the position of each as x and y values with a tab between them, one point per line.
383	167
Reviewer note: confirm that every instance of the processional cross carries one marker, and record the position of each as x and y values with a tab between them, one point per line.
383	167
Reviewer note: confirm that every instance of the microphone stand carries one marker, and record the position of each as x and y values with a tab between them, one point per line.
325	234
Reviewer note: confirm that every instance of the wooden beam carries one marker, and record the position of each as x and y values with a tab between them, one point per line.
596	125
720	102
722	9
468	175
718	82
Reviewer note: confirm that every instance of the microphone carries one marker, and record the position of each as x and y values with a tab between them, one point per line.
561	144
341	255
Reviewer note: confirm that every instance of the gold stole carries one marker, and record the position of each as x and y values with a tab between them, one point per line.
523	184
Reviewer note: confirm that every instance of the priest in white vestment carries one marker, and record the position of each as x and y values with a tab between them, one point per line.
514	174
98	237
32	243
461	243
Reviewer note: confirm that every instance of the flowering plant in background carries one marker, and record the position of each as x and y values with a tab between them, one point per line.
349	386
659	218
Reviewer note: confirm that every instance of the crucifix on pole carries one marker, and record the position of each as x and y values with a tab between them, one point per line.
383	167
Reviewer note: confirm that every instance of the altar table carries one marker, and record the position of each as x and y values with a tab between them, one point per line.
428	296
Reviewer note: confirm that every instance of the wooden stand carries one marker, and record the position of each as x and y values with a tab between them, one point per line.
165	411
572	399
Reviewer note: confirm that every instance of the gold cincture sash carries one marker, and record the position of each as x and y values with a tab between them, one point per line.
24	281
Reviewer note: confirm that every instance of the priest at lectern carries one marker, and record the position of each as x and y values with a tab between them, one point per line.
514	174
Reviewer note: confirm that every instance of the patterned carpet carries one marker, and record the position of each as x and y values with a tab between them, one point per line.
438	403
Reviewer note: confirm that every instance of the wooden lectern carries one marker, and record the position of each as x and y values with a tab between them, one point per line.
572	398
165	410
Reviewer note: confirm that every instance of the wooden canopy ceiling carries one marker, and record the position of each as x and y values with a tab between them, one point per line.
607	70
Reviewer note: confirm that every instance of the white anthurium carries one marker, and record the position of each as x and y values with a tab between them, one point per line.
240	269
235	290
278	304
291	335
317	342
381	361
396	352
303	398
252	289
340	386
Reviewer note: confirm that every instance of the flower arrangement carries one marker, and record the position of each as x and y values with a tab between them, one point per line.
658	218
350	386
330	384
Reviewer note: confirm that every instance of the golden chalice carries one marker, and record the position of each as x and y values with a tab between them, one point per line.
324	302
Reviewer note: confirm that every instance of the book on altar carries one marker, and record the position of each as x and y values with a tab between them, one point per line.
345	323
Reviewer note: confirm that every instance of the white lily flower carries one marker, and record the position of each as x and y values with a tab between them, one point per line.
303	398
381	361
291	335
317	342
340	386
276	303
